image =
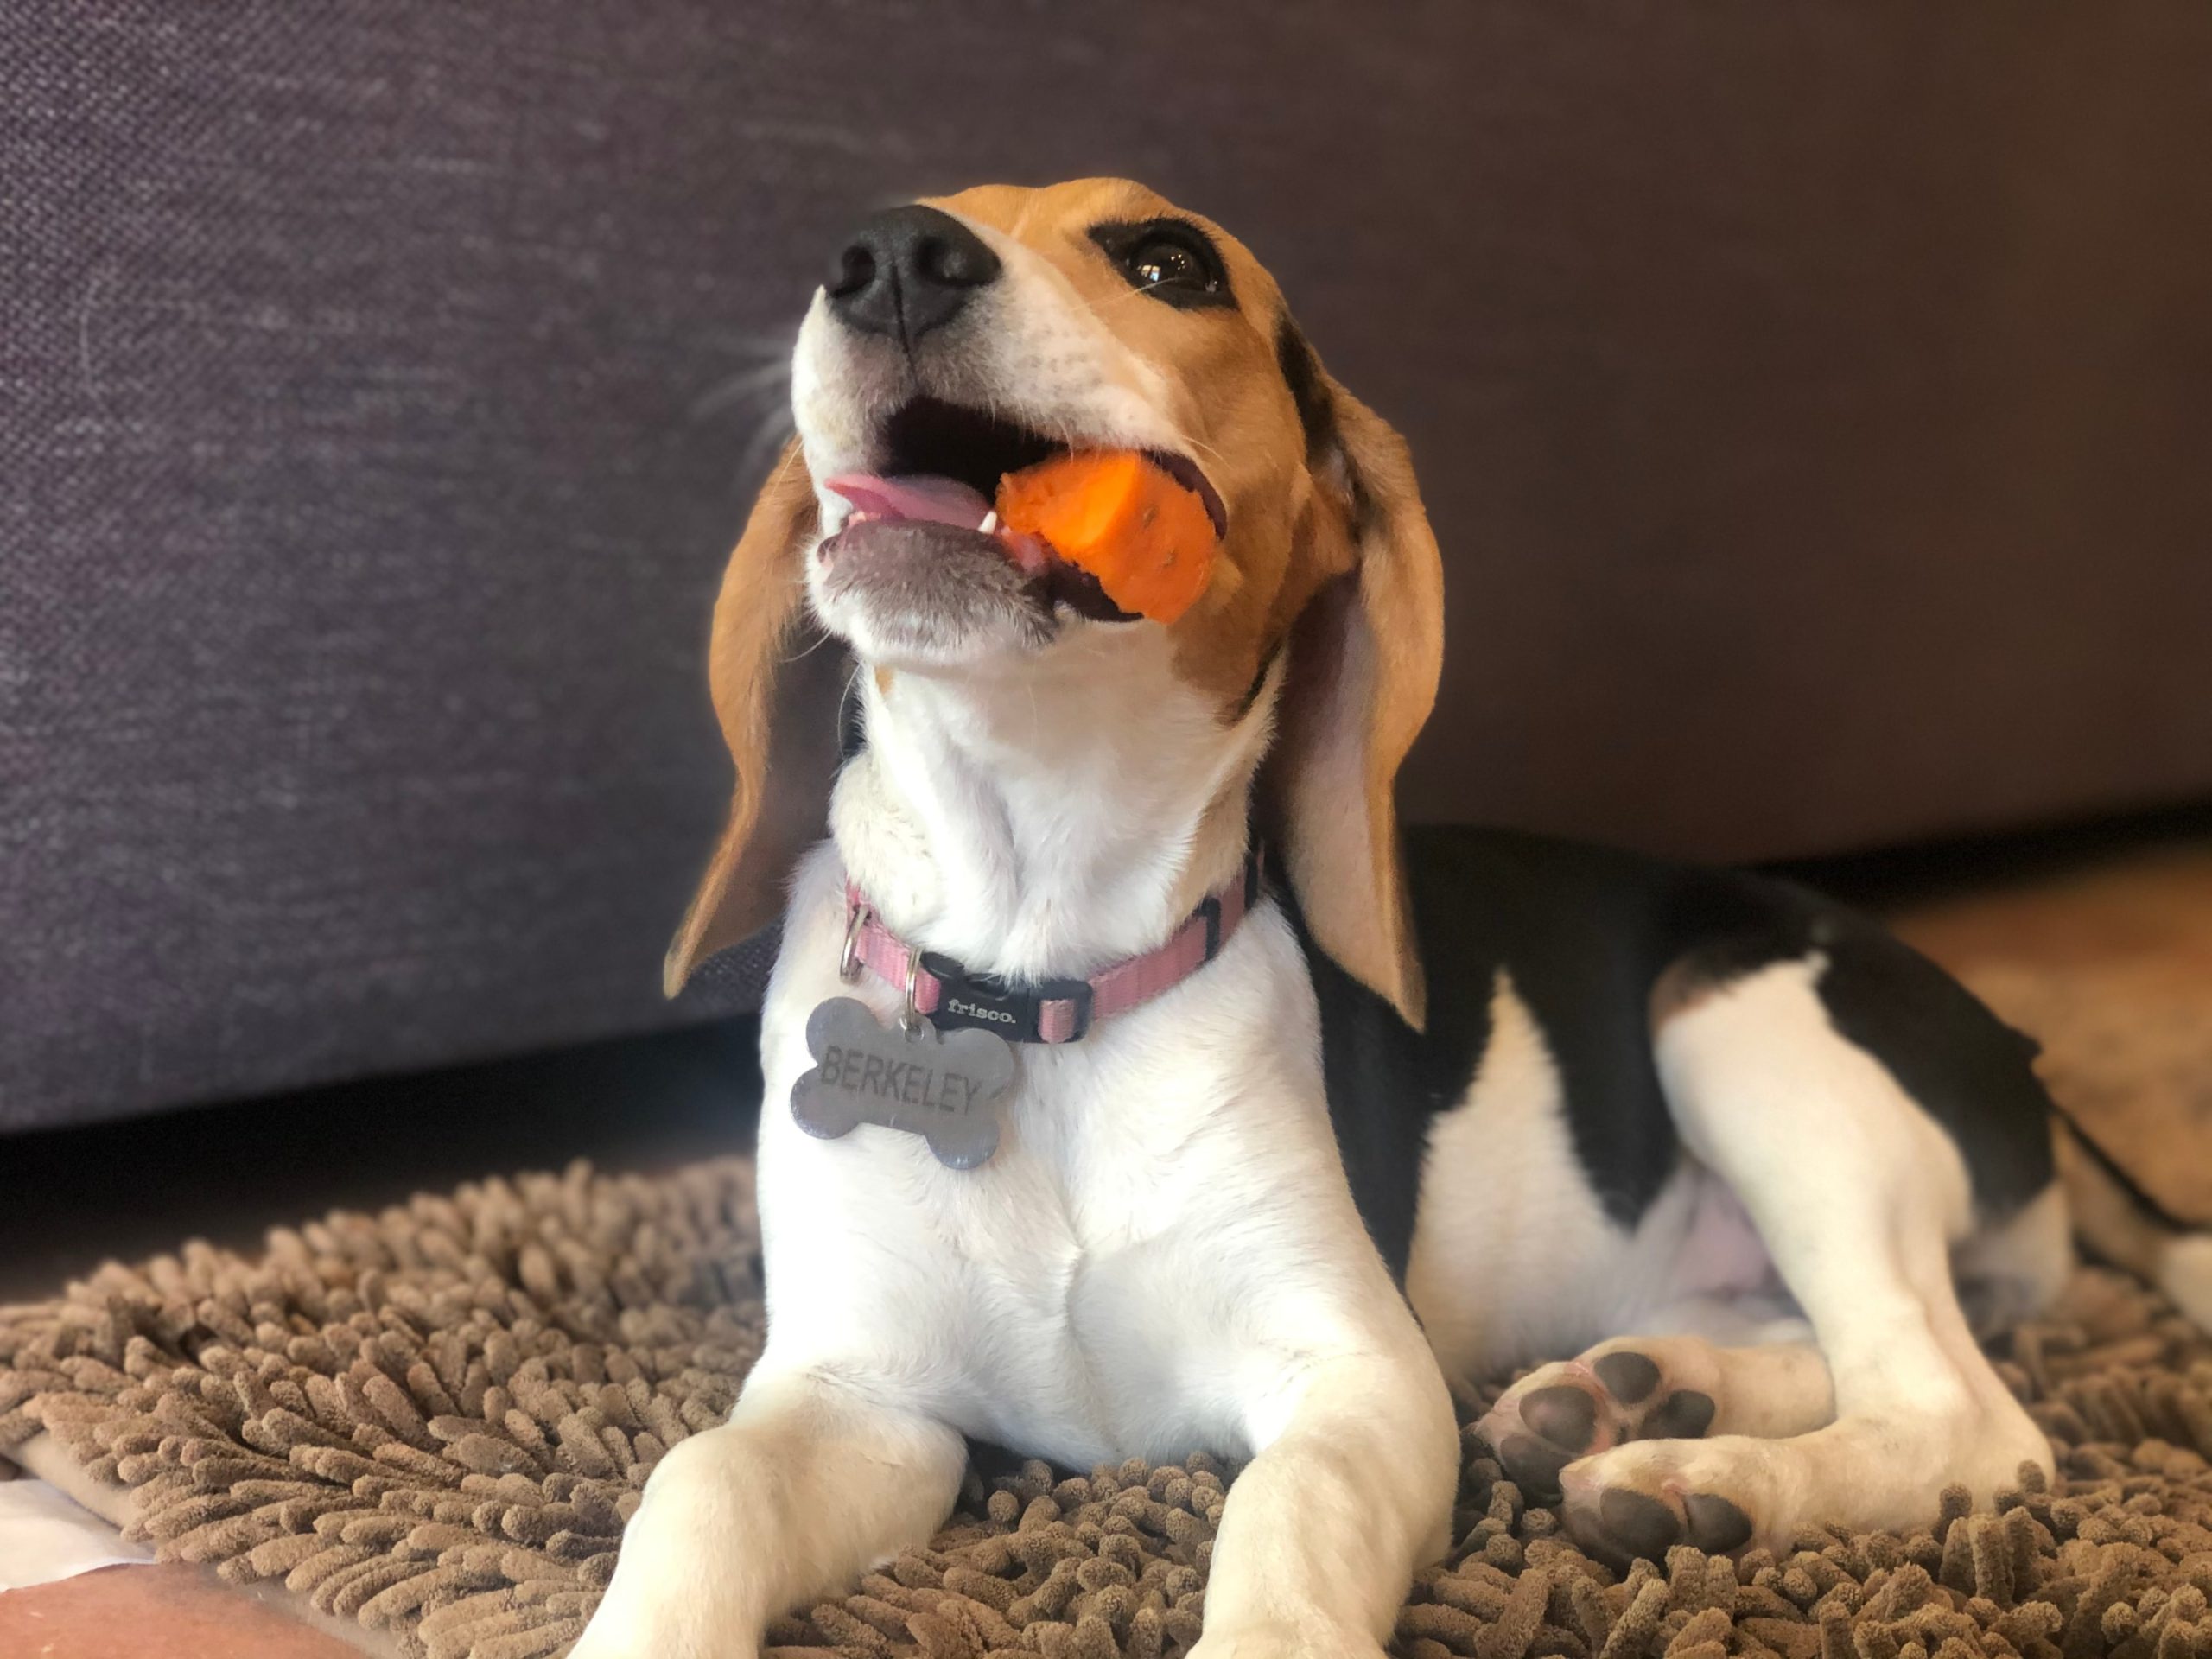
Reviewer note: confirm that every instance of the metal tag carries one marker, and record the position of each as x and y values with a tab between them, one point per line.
943	1086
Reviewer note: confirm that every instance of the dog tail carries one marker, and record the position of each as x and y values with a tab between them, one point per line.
2124	1224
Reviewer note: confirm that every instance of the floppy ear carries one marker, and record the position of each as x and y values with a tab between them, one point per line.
777	686
1365	658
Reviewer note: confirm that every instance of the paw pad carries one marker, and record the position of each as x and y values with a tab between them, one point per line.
1716	1526
1625	1524
1628	1377
1533	1467
1565	1415
1684	1415
1638	1525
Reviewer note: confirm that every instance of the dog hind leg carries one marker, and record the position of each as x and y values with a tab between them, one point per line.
1858	1196
1677	1385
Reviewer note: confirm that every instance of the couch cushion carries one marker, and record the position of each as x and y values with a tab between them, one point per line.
1812	403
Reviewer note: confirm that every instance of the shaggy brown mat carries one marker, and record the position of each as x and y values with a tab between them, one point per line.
436	1420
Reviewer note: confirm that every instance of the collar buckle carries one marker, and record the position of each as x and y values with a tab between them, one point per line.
1053	1011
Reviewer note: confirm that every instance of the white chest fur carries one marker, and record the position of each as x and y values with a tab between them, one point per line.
1165	1208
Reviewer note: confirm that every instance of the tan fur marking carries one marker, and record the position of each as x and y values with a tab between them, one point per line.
1681	987
1366	658
1226	395
761	601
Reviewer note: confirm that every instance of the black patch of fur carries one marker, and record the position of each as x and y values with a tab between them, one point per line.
1385	1085
1585	934
1317	418
1969	1070
1309	392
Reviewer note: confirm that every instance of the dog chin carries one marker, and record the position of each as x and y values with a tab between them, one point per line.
917	596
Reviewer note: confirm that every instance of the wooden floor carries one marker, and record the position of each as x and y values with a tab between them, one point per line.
173	1611
2109	963
2113	932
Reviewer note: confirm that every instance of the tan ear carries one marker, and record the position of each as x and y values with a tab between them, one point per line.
776	686
1364	658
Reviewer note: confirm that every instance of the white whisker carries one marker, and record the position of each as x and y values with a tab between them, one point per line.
743	387
775	428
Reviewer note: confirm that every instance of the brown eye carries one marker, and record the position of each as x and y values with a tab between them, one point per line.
1160	260
1170	259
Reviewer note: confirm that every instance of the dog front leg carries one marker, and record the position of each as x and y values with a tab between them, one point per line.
812	1480
1350	1491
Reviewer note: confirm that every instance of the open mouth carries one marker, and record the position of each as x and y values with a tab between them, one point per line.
941	465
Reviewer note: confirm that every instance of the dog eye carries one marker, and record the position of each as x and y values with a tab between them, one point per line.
1163	259
1167	259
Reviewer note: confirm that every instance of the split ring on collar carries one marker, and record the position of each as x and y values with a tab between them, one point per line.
848	964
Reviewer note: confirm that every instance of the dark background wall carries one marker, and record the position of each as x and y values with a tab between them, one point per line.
1813	401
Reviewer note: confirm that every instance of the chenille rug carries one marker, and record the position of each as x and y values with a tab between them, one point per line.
434	1421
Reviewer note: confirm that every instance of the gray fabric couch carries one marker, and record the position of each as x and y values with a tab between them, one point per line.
1813	401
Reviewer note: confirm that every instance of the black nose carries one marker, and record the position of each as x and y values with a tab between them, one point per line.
907	271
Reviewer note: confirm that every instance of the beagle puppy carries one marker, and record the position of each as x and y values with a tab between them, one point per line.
1268	1158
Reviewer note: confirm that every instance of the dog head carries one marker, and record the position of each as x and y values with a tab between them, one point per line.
964	338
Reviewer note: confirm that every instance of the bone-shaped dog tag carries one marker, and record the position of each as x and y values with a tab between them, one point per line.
943	1086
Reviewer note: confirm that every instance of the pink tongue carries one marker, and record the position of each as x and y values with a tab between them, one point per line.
937	500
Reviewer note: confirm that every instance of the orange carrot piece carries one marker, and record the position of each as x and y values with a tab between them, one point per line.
1148	540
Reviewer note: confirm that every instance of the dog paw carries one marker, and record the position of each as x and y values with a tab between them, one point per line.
1612	1394
1316	1637
1641	1500
595	1644
612	1635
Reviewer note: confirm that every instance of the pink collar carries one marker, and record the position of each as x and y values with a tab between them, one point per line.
1055	1010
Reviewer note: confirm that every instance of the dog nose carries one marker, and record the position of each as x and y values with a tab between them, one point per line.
907	271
